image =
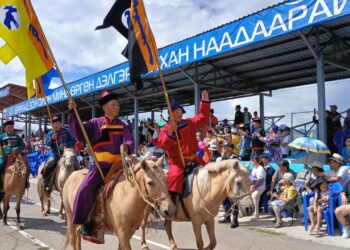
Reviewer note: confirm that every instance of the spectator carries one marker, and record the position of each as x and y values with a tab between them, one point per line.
239	117
313	180
286	139
347	120
289	192
244	144
224	124
321	202
268	169
335	119
227	152
210	138
346	150
257	145
258	184
226	135
247	118
272	144
343	212
213	120
277	178
214	153
235	140
337	173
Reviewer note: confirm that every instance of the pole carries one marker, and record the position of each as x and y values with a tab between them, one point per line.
70	100
136	123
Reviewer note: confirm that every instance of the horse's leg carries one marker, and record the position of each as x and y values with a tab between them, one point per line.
143	228
18	211
168	229
197	225
48	206
6	207
210	225
124	239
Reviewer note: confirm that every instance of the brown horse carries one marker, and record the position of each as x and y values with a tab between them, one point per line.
14	184
211	184
65	167
124	209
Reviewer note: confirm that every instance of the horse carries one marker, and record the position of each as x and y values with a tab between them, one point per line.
211	184
65	167
14	184
124	208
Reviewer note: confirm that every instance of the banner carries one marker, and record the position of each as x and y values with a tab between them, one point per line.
276	21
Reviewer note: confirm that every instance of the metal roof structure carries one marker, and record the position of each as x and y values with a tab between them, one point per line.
263	64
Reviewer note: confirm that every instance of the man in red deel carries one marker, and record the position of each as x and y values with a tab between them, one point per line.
186	129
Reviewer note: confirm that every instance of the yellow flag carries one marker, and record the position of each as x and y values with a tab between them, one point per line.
6	54
20	29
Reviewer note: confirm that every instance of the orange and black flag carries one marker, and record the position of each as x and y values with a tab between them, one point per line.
130	19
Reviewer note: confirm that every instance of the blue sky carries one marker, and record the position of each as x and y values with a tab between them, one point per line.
81	51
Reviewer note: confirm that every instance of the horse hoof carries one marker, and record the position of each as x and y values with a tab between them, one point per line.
20	227
4	223
145	248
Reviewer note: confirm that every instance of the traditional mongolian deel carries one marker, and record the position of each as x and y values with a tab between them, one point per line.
187	129
106	138
63	138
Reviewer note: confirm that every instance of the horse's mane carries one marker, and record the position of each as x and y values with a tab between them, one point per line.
203	175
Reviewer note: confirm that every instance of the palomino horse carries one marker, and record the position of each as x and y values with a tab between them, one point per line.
65	167
211	184
14	184
124	209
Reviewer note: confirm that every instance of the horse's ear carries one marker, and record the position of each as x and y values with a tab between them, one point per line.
143	164
159	162
235	164
15	152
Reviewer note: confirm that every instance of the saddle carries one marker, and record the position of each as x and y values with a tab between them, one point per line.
94	232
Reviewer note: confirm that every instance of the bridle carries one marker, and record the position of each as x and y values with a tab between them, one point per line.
235	199
130	175
18	167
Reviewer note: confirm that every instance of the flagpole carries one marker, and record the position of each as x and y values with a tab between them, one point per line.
70	100
165	92
50	116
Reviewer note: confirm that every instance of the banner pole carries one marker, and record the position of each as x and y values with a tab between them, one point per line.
70	100
50	116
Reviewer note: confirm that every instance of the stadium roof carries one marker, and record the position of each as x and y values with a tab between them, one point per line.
12	94
268	50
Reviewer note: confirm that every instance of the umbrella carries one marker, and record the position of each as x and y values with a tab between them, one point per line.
310	145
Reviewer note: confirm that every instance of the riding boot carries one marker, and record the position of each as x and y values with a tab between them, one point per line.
234	222
46	172
27	181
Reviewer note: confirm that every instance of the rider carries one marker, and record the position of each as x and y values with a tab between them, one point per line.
106	134
9	141
186	129
57	139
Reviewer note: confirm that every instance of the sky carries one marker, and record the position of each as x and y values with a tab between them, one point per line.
81	51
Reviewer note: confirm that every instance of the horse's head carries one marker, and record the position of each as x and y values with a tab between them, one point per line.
20	161
238	185
155	183
69	160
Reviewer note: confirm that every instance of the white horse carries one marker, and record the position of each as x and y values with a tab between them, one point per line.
65	167
211	184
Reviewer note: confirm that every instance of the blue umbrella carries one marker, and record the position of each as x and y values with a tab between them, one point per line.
310	145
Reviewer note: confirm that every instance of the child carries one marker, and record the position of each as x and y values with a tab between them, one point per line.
321	202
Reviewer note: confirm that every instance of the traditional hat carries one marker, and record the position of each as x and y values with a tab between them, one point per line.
274	128
8	122
55	119
337	158
175	105
106	97
333	106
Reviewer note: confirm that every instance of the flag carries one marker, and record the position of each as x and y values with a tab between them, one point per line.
44	85
130	19
21	31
